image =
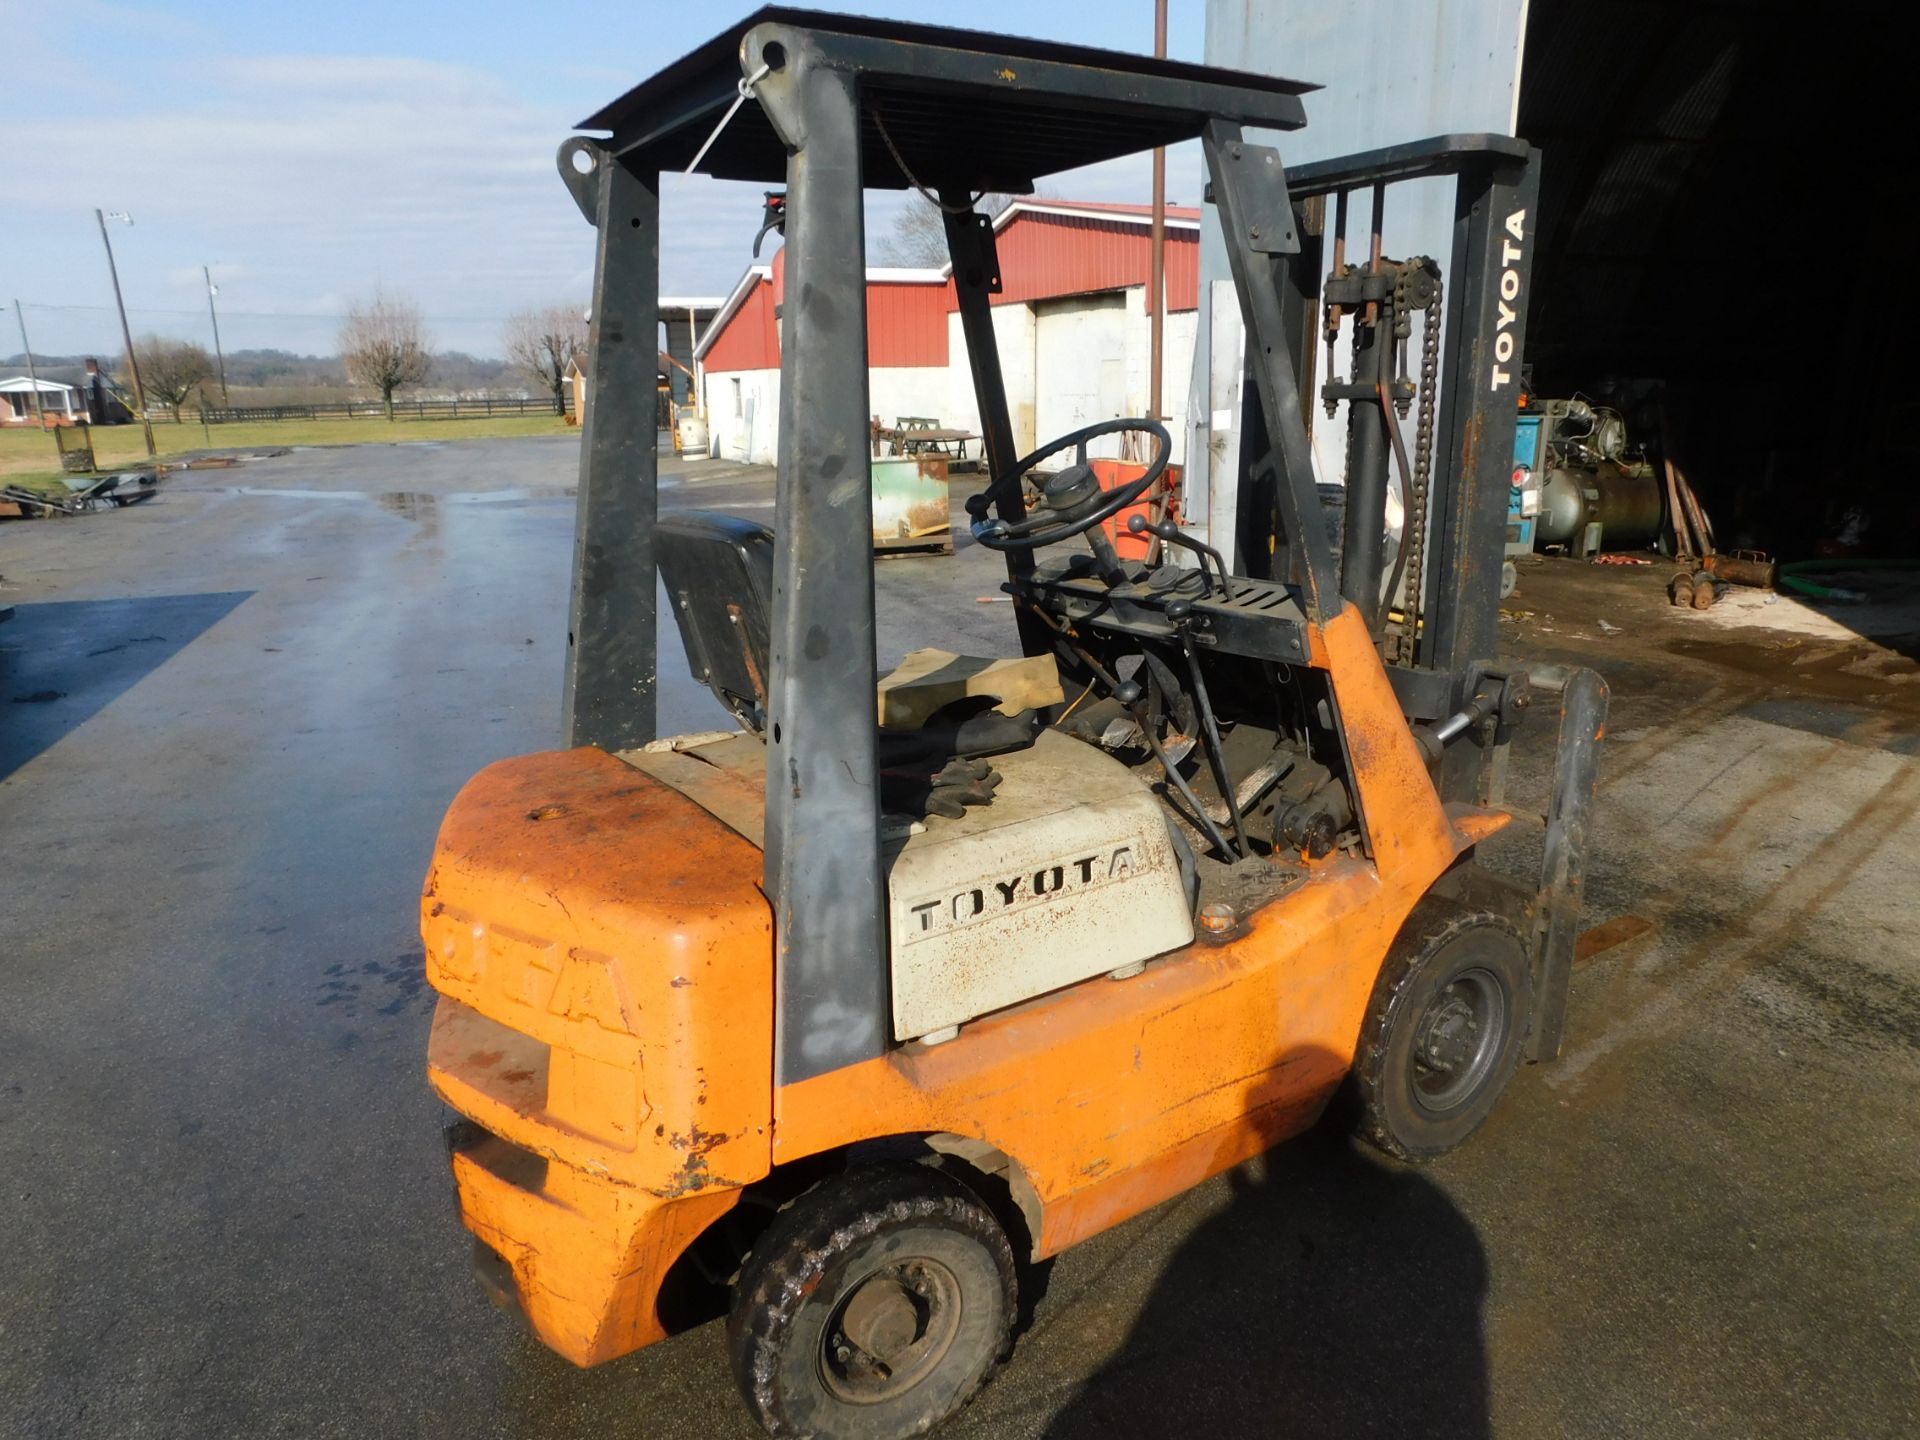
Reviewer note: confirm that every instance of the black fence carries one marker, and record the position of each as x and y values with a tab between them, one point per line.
375	410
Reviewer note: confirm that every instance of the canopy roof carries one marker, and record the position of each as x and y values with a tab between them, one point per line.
964	108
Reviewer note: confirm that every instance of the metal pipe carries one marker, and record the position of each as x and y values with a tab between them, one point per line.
699	368
1210	733
1366	523
969	243
1374	246
1743	569
1157	268
1179	782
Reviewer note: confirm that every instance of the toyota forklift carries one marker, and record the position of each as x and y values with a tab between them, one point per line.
835	1022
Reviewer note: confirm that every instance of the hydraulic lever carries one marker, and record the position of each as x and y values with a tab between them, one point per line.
1177	611
1174	535
1132	695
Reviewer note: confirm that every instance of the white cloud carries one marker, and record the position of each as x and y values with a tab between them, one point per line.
337	173
307	180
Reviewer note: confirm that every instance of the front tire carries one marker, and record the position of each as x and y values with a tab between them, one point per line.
1444	1031
874	1306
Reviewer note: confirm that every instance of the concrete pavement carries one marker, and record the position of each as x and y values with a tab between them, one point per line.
231	718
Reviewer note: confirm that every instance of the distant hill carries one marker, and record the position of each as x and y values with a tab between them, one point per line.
280	377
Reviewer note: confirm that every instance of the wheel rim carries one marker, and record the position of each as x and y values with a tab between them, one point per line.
1457	1040
890	1331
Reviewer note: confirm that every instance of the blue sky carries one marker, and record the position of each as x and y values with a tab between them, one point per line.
309	153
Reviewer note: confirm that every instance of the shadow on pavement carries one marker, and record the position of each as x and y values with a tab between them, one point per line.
63	661
1336	1295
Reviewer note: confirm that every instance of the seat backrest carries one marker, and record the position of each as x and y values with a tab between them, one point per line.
718	573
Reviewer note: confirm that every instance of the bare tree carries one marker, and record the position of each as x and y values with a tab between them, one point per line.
919	234
385	346
171	370
541	342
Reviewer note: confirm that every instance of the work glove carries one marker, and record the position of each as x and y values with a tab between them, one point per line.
948	792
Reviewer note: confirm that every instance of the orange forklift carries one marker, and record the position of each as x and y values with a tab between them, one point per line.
835	1022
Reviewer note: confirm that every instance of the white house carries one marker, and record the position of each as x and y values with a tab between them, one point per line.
17	407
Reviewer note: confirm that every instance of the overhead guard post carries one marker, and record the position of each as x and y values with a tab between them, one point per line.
1250	189
976	277
823	870
608	695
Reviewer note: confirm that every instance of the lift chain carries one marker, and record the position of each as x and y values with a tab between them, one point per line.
1413	531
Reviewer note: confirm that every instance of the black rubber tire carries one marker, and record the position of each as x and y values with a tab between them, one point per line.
1439	945
815	1254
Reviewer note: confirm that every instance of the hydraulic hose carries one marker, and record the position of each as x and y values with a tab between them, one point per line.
1793	577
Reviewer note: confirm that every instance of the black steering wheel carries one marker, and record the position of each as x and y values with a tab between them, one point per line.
1072	501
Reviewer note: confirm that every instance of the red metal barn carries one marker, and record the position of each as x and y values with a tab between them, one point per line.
1072	322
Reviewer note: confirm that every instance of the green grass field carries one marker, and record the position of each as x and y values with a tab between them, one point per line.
27	453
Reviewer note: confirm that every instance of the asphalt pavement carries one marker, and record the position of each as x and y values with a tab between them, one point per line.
230	720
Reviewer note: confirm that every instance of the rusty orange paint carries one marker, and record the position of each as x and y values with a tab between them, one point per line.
604	957
1114	1095
1405	819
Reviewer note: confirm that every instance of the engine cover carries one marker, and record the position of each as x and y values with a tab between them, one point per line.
1068	874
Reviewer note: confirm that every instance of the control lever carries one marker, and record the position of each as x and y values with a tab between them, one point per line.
1177	611
1171	533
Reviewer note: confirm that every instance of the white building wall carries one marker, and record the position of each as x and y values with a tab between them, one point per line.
1176	366
743	405
1081	344
743	415
924	390
1014	338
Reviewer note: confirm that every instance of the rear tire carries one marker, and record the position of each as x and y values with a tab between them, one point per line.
874	1306
1444	1031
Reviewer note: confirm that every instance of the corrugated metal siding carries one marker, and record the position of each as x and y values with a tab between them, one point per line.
1046	256
1042	257
750	340
907	324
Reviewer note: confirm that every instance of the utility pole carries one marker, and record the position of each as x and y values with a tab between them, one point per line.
33	378
1157	295
126	332
212	291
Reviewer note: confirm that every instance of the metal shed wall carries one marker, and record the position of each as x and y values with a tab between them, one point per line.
1044	257
750	337
907	323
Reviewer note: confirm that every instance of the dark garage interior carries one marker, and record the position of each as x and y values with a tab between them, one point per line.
1716	216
